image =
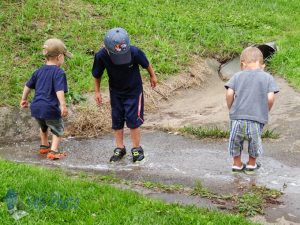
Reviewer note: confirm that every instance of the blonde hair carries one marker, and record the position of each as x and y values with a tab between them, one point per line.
251	55
54	47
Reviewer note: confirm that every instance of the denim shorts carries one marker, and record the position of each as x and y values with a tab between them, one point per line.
241	130
56	126
127	109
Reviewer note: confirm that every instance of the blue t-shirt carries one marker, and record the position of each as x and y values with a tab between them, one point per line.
124	80
46	81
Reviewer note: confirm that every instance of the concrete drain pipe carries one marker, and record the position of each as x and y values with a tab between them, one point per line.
232	66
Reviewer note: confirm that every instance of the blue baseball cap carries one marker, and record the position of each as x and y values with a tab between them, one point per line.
117	43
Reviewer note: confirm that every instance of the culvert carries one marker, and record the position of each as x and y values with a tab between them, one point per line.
267	49
232	66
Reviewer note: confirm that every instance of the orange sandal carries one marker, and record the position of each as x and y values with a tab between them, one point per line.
55	155
44	149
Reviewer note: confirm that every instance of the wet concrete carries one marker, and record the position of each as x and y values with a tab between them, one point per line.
175	159
179	198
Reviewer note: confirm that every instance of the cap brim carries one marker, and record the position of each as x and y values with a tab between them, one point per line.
69	54
121	58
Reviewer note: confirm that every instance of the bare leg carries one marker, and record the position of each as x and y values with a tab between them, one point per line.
237	161
55	142
119	134
44	138
252	161
135	137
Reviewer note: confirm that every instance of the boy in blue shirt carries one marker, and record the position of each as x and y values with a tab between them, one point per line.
250	96
48	105
122	60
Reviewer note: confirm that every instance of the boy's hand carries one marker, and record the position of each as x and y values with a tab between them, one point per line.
24	104
271	99
153	81
98	98
153	78
64	111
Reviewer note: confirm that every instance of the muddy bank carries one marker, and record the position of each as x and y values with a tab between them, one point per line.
16	125
87	120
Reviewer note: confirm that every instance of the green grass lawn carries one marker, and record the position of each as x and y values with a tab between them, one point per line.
168	31
216	132
95	203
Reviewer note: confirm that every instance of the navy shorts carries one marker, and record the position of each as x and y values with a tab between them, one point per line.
127	109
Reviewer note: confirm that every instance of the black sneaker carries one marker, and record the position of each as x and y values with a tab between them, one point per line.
118	154
137	154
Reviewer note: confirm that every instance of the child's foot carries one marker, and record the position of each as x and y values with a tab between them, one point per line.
238	169
55	155
118	154
45	149
137	154
251	168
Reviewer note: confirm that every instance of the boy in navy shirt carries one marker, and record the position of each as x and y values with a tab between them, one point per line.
122	60
48	105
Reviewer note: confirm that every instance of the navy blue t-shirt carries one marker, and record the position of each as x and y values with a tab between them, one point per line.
124	80
46	81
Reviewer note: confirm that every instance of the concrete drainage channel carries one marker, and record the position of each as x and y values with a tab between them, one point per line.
165	163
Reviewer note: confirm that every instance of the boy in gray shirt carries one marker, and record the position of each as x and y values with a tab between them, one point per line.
250	96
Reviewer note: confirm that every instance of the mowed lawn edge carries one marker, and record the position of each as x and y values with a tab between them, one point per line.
168	31
96	203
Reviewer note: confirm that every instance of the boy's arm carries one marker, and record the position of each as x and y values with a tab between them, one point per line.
229	97
98	97
153	78
63	107
24	101
271	99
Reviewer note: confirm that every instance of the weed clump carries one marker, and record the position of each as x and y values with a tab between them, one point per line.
250	202
89	121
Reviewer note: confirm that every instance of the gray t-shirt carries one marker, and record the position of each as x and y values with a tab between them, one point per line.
251	89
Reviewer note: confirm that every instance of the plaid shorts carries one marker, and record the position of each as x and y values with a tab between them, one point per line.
241	130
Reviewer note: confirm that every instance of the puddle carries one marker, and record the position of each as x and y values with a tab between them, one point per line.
165	155
170	159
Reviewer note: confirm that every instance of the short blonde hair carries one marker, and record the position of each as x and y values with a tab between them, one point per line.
251	55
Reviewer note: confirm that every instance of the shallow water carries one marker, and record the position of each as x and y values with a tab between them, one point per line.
172	159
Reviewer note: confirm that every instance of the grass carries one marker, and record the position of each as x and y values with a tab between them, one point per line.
249	202
253	202
168	31
215	132
162	187
205	132
95	203
285	61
